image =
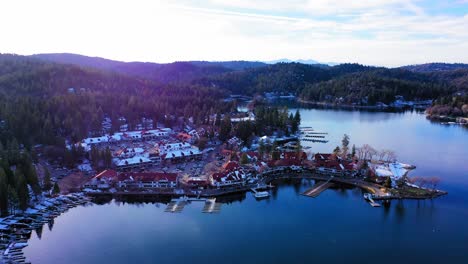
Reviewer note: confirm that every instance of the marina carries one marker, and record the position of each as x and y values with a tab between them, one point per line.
16	230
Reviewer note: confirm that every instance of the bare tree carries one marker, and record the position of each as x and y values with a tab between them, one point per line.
372	153
367	151
382	154
360	153
433	182
391	156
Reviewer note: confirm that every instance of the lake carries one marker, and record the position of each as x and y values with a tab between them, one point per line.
336	227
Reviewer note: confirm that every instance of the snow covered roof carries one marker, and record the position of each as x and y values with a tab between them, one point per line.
181	153
148	176
393	170
131	161
119	136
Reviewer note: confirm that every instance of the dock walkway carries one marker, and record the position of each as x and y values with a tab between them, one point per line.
318	188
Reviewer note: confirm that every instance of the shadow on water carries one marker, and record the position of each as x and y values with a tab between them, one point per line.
39	232
50	224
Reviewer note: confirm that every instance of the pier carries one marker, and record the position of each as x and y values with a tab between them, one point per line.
177	205
318	188
371	201
211	206
315	140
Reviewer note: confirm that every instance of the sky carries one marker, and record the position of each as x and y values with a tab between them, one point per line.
372	32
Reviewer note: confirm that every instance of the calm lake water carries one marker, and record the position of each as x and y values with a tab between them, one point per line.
337	227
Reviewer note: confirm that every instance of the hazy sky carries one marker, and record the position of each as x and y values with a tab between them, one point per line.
377	32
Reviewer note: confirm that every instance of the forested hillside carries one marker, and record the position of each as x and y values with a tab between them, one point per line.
42	102
174	73
368	88
281	77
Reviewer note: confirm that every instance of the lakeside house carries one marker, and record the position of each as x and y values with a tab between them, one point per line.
332	164
395	170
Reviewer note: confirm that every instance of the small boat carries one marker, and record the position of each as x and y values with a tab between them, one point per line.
260	195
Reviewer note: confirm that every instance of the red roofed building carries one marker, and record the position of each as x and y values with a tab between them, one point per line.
106	174
199	182
103	180
228	179
330	163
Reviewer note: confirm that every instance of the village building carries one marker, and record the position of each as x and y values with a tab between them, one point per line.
332	164
137	161
178	152
153	134
145	180
103	180
395	170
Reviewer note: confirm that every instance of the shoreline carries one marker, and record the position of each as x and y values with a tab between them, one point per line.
265	183
359	107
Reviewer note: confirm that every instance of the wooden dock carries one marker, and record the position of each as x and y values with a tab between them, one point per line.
318	189
315	140
211	206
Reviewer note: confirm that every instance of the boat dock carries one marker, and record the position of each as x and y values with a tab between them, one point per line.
211	206
370	199
318	188
315	140
177	205
311	135
314	136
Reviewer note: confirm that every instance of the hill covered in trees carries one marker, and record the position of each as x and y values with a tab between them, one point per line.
281	77
44	102
370	87
310	81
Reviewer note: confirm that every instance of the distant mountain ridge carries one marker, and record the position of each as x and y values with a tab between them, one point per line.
251	77
302	61
435	67
175	72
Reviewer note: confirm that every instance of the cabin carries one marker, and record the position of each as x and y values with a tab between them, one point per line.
332	164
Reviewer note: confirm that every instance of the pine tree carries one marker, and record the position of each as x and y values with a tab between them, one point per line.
344	146
107	158
47	183
261	149
244	159
13	200
22	190
337	150
388	182
56	189
3	192
225	129
297	119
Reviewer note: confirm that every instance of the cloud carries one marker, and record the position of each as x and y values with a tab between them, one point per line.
381	32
